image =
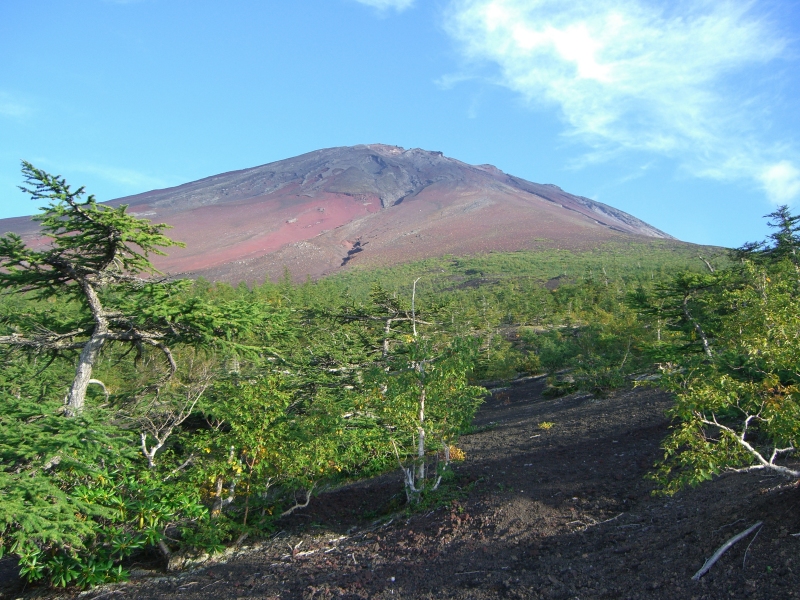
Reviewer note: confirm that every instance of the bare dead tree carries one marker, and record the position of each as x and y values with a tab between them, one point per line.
708	264
164	412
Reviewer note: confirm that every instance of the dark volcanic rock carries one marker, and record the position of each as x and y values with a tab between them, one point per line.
310	213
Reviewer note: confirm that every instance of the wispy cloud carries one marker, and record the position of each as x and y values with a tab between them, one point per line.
781	182
673	79
474	107
126	178
12	107
449	81
384	5
124	181
636	173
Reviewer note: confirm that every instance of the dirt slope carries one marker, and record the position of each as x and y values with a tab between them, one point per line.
558	513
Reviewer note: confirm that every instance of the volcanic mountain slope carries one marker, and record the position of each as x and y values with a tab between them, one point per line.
363	205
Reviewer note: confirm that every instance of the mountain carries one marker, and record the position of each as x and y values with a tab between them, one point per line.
368	205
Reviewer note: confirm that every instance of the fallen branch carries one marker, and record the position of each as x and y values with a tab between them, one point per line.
723	549
111	593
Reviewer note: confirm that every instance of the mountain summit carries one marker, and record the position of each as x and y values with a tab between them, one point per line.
372	205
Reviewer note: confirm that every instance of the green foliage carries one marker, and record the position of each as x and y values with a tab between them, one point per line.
266	441
74	504
738	404
440	368
526	271
526	306
222	406
86	238
739	408
783	244
95	253
267	400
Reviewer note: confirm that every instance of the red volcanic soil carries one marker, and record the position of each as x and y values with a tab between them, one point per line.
216	236
372	205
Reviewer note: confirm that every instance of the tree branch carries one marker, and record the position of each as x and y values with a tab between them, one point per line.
698	329
297	505
763	462
46	341
102	385
708	264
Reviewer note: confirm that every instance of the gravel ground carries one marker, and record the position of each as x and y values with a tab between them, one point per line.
563	512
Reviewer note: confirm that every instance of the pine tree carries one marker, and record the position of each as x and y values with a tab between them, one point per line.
783	243
93	247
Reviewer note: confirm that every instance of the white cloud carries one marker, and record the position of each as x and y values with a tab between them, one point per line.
666	78
11	107
781	182
449	81
127	178
398	5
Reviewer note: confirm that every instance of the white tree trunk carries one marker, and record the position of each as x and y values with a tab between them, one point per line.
421	438
83	373
697	328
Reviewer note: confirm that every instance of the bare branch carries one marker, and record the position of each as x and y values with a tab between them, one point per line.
381	319
708	264
159	423
763	462
180	468
173	367
413	303
698	329
47	341
777	451
297	505
102	385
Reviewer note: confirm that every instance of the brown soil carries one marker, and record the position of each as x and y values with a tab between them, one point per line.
563	512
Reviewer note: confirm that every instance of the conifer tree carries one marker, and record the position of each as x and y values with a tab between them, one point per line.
783	243
93	247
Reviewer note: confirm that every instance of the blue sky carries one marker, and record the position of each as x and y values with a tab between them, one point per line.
683	113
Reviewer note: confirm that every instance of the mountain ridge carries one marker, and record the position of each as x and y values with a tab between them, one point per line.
371	204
